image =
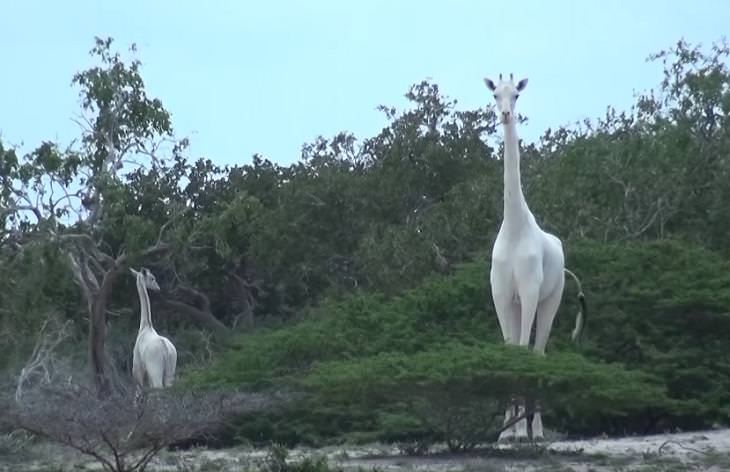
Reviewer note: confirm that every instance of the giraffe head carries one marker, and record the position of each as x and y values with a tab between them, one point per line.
148	279
505	94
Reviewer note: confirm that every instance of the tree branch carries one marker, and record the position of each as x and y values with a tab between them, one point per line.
5	210
202	317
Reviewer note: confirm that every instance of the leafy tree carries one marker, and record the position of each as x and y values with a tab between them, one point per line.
121	126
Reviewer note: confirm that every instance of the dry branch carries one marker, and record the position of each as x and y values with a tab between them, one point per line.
124	431
51	334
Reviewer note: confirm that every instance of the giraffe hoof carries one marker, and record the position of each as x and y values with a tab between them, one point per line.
506	438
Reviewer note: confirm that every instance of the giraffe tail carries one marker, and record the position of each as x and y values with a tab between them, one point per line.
582	313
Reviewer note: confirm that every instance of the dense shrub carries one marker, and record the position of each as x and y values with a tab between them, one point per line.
372	365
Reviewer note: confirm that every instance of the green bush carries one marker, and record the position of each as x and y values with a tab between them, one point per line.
663	307
460	391
372	365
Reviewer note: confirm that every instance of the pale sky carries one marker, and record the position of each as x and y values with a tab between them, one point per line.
265	77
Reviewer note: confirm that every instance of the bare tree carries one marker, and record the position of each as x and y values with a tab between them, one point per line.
124	431
40	365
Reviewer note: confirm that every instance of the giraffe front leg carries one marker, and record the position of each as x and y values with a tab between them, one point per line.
537	432
529	275
521	425
508	435
518	430
138	371
534	419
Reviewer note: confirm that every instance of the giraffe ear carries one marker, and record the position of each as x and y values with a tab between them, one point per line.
134	272
490	84
521	85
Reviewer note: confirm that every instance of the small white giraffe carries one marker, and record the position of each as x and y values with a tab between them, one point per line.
154	357
528	265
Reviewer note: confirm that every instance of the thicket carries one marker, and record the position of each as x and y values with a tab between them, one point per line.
430	363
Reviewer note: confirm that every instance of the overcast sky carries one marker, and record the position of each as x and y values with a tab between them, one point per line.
265	77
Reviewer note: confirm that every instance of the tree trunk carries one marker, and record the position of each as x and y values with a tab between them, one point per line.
97	334
97	354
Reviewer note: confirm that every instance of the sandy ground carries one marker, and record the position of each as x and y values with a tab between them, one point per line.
700	451
679	445
706	450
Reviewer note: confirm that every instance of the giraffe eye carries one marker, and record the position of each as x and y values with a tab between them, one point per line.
517	96
495	95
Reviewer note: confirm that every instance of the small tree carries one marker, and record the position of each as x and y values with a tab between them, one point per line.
459	392
72	197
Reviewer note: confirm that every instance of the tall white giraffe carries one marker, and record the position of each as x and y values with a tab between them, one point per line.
154	357
528	265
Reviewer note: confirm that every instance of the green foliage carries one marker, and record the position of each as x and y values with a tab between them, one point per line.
39	288
657	171
459	392
114	92
371	362
491	370
662	306
442	309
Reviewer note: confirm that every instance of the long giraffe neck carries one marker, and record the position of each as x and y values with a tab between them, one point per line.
145	319
515	206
